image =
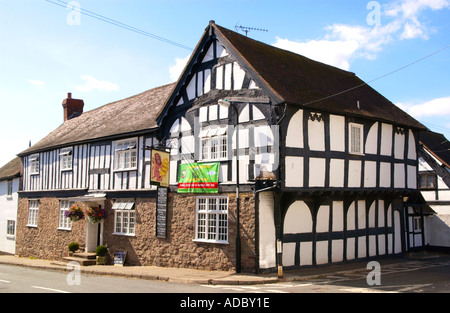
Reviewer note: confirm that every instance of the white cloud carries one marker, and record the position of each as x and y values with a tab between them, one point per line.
319	50
94	84
342	43
435	107
176	69
37	83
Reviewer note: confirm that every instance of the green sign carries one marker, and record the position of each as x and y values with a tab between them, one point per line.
198	178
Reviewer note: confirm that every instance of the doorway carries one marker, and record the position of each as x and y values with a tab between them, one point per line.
94	235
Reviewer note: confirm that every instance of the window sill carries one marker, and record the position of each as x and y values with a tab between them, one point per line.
357	154
10	237
125	169
211	241
64	229
31	226
123	234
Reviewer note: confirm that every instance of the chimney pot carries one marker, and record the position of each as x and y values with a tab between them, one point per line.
69	95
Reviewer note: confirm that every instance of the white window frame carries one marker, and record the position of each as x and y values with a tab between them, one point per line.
33	213
356	141
214	144
124	217
34	164
9	191
64	222
66	159
10	228
417	224
211	219
126	156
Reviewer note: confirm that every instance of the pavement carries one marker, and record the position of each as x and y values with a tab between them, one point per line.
192	276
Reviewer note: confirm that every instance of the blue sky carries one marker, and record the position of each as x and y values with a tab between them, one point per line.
48	50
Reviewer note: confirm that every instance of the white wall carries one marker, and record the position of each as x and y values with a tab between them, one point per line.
298	220
267	249
8	211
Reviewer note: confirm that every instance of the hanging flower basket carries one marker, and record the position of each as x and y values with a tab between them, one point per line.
75	213
95	215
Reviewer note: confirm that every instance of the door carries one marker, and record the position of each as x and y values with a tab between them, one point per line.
94	235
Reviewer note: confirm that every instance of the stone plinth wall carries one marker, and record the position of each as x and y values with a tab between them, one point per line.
144	249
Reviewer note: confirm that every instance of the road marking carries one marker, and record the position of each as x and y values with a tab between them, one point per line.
50	289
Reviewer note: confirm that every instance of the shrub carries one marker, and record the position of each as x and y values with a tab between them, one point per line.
73	246
101	251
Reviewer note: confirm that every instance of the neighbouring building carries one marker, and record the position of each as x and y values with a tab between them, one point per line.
434	184
10	184
275	159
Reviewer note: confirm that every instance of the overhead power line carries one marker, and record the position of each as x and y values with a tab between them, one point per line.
380	77
105	19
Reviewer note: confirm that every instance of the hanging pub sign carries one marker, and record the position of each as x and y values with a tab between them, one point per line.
161	212
198	178
159	169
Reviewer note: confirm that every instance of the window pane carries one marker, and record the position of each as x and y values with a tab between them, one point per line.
212	219
201	226
223	227
212	226
355	139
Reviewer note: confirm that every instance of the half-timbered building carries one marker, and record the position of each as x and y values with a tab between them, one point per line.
434	185
314	166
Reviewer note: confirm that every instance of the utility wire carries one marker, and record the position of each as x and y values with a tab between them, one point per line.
380	77
121	25
145	33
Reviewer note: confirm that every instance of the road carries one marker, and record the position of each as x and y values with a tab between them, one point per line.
423	276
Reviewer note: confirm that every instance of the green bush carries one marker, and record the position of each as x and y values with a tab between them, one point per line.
73	246
101	251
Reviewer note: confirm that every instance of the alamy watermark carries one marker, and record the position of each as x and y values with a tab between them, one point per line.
374	17
74	16
374	276
74	276
261	144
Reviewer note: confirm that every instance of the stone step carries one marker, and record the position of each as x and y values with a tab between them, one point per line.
85	255
82	261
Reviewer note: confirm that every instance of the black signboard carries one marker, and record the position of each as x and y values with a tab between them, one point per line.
119	257
161	212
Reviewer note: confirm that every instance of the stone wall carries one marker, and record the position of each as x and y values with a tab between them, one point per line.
45	241
179	249
144	249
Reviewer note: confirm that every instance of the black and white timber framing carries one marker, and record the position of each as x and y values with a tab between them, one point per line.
325	203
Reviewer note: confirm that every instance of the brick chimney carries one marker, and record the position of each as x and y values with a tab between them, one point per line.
72	107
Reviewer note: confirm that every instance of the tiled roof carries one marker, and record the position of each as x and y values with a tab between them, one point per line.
298	80
437	145
11	169
130	115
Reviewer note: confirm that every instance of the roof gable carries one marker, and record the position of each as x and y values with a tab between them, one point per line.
437	145
298	80
291	78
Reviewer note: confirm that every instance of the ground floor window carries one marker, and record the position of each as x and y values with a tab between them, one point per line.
11	228
212	219
124	217
33	210
64	222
